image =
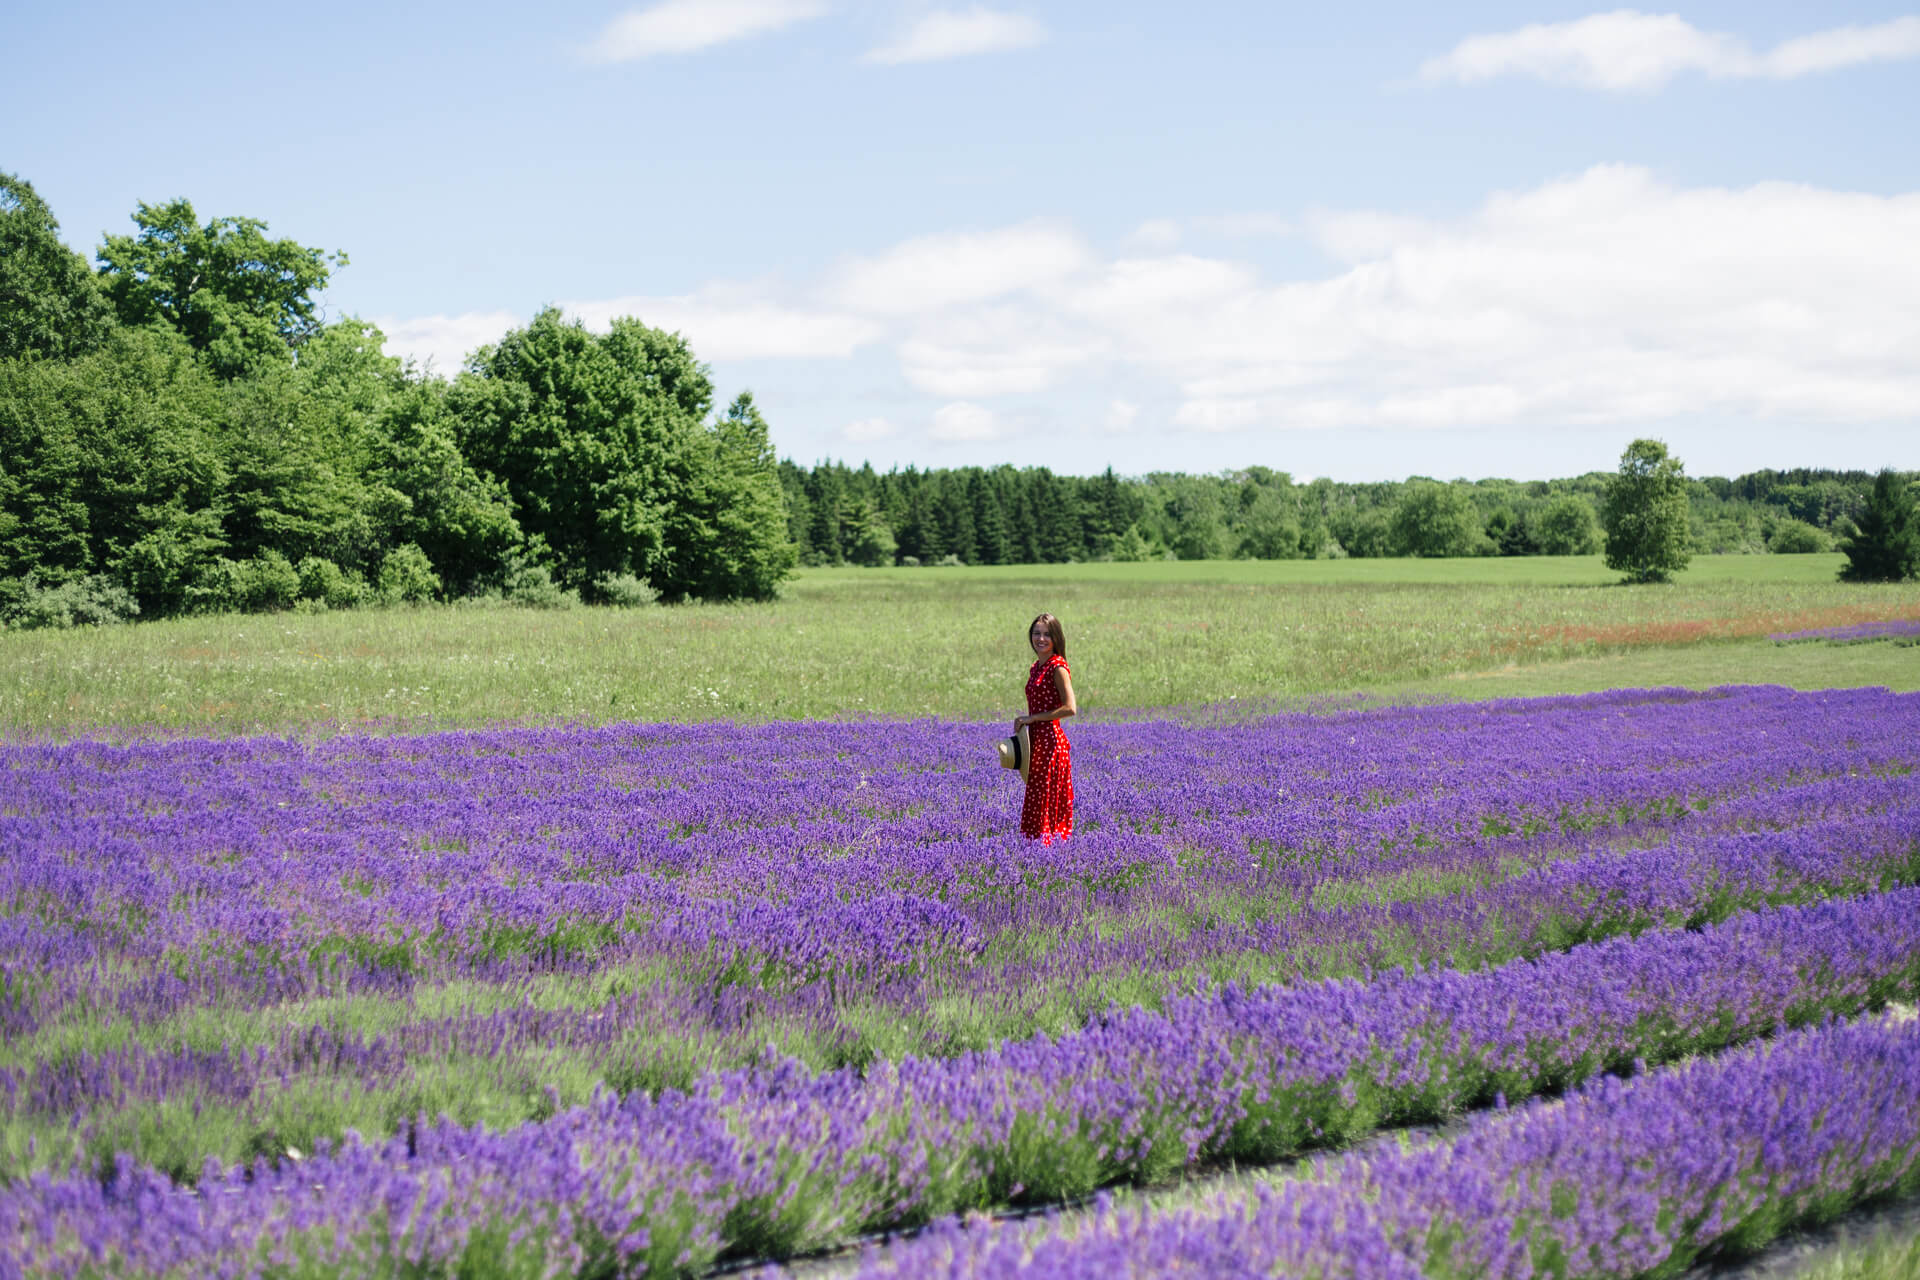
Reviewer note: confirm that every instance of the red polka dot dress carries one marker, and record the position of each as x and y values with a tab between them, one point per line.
1048	811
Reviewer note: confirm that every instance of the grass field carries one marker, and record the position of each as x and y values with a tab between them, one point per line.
948	642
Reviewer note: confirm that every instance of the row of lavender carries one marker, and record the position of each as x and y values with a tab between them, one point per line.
174	982
1623	1178
621	1037
1899	630
876	854
780	1160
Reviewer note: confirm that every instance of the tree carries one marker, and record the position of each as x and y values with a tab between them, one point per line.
727	524
1645	514
864	533
460	520
1564	527
954	511
239	298
108	465
991	544
1884	543
1195	517
1435	519
49	303
590	435
824	496
1269	527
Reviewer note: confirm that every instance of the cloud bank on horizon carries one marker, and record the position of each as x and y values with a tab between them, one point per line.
1604	297
1611	295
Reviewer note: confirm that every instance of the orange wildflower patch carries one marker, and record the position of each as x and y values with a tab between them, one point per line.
1676	632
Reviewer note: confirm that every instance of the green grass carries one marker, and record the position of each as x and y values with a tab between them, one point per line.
949	642
1892	1255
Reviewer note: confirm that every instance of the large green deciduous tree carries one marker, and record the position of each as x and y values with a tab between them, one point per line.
109	465
1564	527
1645	514
1884	544
727	525
600	441
49	303
1434	519
239	298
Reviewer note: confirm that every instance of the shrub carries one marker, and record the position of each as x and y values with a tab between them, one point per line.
214	587
94	601
164	567
623	591
407	576
267	582
326	583
1796	538
532	587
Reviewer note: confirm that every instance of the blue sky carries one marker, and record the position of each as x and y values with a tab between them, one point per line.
1363	241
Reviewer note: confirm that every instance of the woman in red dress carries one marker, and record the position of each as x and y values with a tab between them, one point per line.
1048	811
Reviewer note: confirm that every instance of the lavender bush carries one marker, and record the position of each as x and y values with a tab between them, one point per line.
1622	1178
751	989
1899	630
782	1159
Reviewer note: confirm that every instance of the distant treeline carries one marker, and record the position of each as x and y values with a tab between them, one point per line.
181	431
838	514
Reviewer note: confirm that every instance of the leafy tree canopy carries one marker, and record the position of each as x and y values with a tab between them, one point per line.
1564	527
1645	514
1437	520
239	298
592	436
49	303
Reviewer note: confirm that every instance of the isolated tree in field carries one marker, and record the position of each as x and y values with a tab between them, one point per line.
238	297
1884	545
1435	519
1645	514
49	303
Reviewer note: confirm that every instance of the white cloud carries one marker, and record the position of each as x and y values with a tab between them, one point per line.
685	26
995	350
963	422
934	271
727	327
1845	47
947	33
1627	51
1217	415
1605	298
1156	233
442	343
1245	226
865	430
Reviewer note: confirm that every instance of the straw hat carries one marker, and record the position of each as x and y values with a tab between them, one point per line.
1015	752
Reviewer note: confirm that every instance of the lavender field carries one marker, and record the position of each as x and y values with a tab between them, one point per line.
637	999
